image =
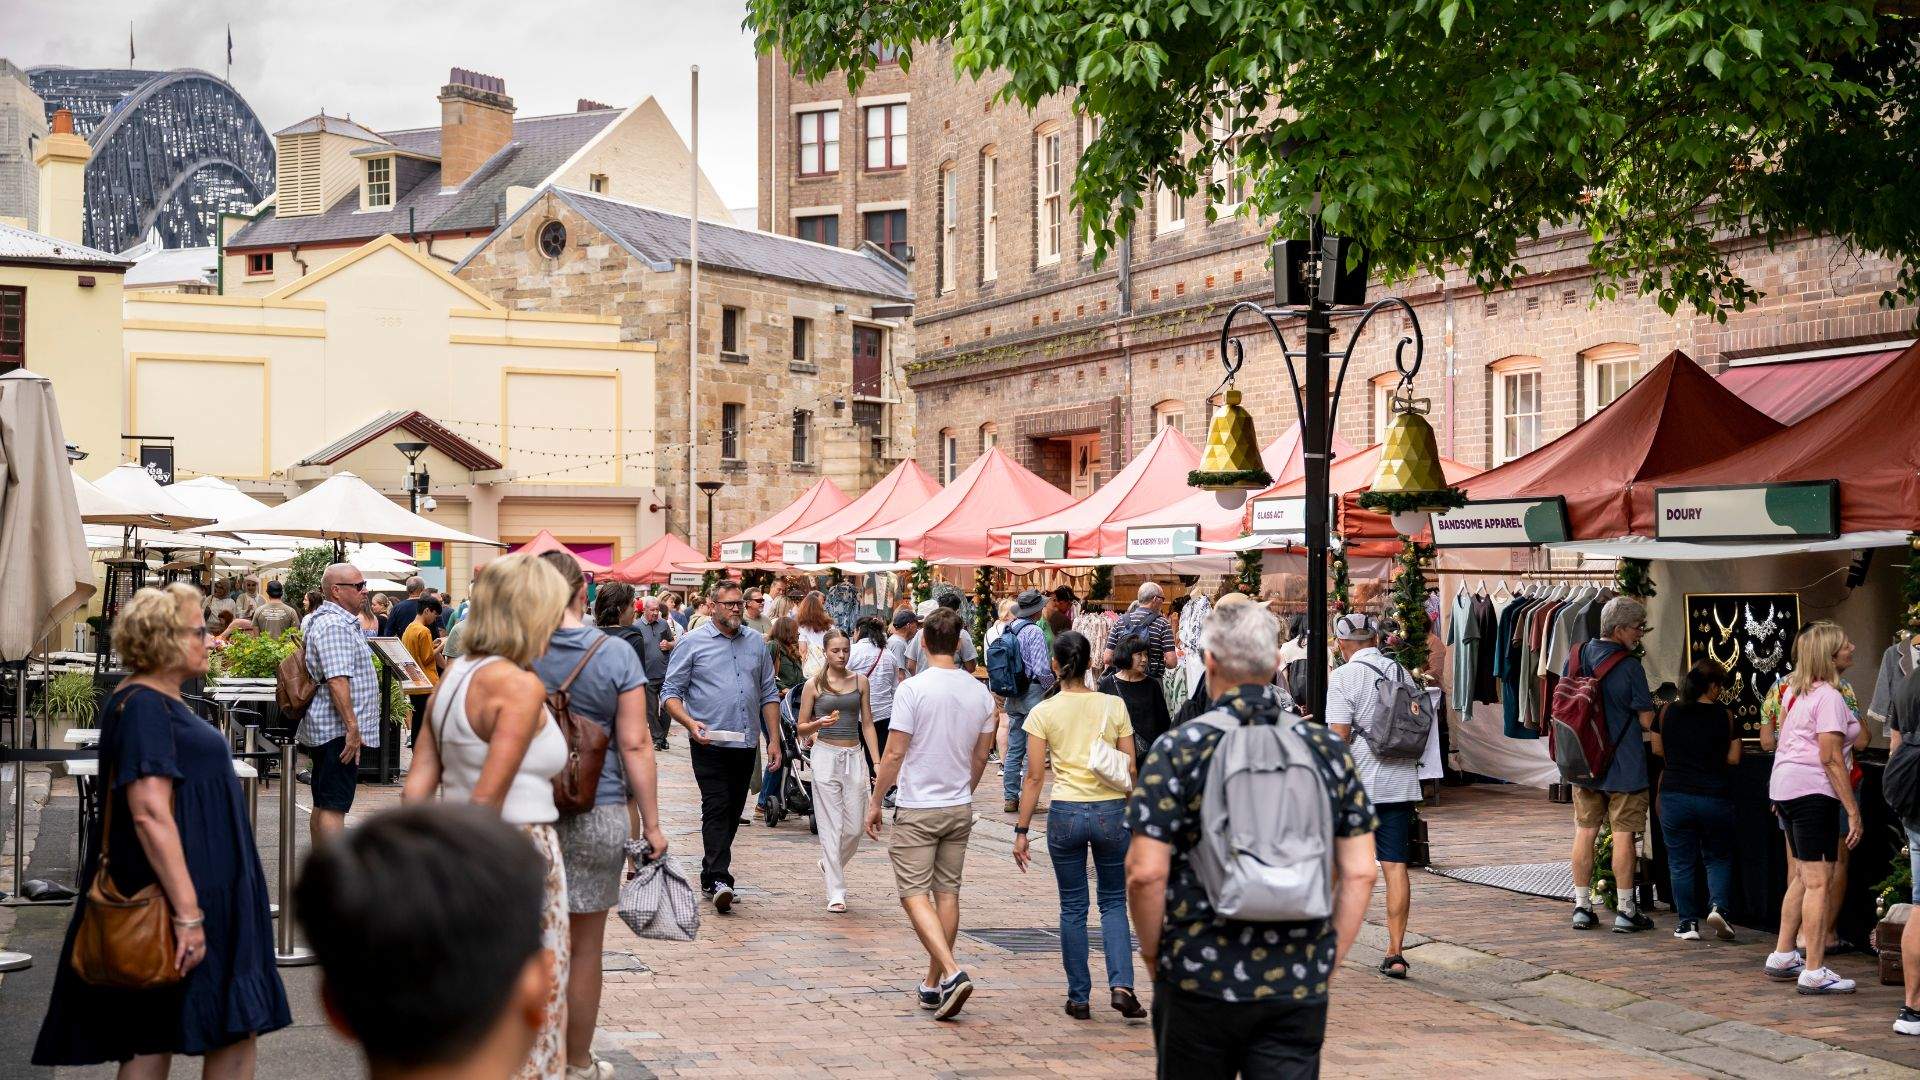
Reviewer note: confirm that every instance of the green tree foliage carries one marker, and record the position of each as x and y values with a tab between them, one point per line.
303	577
1452	132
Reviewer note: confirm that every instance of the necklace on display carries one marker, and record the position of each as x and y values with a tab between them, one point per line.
1725	628
1757	628
1769	661
1727	662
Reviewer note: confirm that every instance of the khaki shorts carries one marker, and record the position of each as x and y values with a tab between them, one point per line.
1625	810
928	848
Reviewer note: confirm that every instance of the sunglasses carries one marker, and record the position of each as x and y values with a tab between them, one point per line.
352	584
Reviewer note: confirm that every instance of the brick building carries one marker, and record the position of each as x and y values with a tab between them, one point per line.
834	166
1022	342
800	351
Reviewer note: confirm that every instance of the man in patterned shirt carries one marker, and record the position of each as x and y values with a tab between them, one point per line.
344	716
1238	998
1145	620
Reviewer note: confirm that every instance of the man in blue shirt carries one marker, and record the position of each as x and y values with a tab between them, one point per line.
719	686
1620	798
1037	659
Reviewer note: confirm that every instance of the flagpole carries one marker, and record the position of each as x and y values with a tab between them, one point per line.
693	316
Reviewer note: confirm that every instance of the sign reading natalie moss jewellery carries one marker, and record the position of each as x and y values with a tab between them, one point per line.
1037	546
1162	541
737	551
1503	523
797	553
875	549
1807	510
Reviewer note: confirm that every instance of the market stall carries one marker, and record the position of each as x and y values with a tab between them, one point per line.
1156	477
667	561
951	528
544	541
829	540
757	549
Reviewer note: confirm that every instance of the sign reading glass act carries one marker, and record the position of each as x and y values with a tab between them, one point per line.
1279	516
683	579
736	551
875	549
1807	510
1503	523
796	553
1162	541
1037	547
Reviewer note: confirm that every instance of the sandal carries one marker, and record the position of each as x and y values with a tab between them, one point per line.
1394	967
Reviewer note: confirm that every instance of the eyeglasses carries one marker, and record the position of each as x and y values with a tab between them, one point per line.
729	603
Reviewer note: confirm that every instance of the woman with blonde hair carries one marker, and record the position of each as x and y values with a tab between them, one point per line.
1810	786
172	815
835	713
490	740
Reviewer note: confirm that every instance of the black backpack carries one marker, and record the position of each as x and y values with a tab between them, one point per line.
1900	783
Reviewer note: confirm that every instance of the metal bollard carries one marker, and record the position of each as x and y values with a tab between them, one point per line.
252	744
286	954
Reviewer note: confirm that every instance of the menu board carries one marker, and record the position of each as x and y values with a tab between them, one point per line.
1751	636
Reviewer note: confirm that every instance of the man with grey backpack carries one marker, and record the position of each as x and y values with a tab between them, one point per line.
1383	715
1249	871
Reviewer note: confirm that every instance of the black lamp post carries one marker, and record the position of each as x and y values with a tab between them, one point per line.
712	488
416	477
1313	281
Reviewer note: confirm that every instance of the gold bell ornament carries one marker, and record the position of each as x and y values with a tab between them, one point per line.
1410	482
1231	462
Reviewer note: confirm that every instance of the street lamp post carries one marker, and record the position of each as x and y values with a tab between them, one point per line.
416	478
712	488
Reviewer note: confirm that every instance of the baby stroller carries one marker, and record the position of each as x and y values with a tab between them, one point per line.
793	782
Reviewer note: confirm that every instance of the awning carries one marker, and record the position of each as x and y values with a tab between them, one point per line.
1156	477
1646	547
656	563
1792	390
993	491
898	492
815	503
544	541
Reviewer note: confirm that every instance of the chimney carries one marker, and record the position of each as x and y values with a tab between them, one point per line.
590	105
476	121
62	160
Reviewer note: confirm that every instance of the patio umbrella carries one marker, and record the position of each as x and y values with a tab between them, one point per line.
345	508
379	560
223	502
130	482
99	508
48	572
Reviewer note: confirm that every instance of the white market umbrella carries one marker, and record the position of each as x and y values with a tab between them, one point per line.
379	560
222	502
384	585
345	508
130	483
48	574
99	508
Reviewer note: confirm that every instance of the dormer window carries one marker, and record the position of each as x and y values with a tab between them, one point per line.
379	189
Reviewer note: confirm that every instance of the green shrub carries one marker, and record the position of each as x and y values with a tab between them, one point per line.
254	656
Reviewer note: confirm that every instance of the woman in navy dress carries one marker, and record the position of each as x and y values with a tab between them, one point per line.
178	819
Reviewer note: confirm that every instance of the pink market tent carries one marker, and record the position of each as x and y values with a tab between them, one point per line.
544	541
656	563
951	528
815	503
898	492
1156	477
1217	522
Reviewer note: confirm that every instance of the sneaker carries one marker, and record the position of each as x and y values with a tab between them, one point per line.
1822	980
929	997
723	898
1784	966
955	991
659	744
1717	920
1583	919
1908	1022
1012	806
595	1070
1687	930
1624	923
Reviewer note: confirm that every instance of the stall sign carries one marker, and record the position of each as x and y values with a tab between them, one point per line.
1806	510
799	553
1503	523
875	549
736	551
683	579
1037	546
1162	541
1279	516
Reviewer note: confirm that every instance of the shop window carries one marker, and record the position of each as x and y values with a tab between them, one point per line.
730	417
819	228
819	142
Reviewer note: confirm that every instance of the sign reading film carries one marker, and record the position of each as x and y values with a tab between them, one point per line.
1750	635
875	549
1037	546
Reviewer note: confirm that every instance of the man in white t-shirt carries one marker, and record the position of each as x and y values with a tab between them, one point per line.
942	729
964	654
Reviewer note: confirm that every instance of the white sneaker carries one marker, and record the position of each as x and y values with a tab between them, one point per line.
1785	965
1823	981
597	1070
1722	929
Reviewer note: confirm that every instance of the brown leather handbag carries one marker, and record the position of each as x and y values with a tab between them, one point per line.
123	942
578	781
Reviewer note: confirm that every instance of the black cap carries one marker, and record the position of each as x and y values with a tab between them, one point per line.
905	617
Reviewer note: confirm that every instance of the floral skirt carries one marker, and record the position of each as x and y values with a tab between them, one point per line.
548	1061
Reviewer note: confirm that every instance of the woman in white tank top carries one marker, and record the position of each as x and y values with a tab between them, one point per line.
489	740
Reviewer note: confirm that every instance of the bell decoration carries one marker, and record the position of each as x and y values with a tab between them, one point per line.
1231	461
1409	454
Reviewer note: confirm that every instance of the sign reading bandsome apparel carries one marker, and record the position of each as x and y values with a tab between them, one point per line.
1037	546
1805	510
1162	541
1503	523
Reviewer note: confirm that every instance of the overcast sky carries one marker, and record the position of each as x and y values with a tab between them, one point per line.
384	63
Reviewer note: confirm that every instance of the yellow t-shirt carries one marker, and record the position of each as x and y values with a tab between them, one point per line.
419	642
1070	722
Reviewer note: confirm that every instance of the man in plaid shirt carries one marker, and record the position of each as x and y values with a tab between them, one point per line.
345	713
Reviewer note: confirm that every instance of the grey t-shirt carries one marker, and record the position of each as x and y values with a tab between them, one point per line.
613	671
963	653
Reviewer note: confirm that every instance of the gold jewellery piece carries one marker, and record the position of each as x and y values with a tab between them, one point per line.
1726	662
1726	628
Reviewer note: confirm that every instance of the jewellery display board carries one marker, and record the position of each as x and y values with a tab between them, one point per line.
1751	636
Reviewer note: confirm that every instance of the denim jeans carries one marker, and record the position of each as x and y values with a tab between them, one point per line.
1013	770
1913	859
1072	829
1697	828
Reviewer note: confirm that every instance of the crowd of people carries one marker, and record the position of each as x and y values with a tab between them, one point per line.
899	721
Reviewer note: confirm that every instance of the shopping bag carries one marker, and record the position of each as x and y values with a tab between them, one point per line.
657	901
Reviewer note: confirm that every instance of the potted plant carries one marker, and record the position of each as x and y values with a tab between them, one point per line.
71	702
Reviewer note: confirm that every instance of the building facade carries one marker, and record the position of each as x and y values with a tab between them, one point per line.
23	123
800	351
1022	342
836	167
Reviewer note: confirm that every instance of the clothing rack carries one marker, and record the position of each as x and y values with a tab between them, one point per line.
1532	575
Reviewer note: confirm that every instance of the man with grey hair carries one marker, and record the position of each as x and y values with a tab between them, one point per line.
1238	998
1620	797
654	635
407	610
1145	620
344	715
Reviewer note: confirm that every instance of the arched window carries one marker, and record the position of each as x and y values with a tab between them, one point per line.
949	456
1171	413
989	436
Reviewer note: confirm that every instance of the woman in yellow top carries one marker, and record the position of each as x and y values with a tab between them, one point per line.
1085	815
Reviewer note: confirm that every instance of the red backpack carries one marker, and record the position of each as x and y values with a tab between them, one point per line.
1577	732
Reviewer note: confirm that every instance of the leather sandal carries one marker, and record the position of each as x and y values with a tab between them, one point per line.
1394	967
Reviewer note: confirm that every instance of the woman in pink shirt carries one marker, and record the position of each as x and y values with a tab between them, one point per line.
1811	785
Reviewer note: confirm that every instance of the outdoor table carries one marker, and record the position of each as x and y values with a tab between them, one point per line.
83	736
90	767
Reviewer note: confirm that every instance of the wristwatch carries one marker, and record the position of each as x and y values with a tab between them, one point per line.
1019	830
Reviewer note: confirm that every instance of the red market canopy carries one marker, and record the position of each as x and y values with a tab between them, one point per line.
1676	417
1351	477
656	563
952	526
1153	479
815	503
544	541
1866	440
1790	391
898	492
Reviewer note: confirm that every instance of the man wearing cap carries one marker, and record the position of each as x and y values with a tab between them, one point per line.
1039	665
1353	695
1621	795
967	657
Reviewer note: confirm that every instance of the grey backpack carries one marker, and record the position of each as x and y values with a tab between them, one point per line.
1401	720
1266	824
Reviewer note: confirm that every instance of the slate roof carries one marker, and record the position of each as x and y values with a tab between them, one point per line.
659	237
540	145
336	125
23	246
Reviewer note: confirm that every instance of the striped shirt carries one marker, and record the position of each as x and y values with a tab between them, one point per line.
1158	632
336	647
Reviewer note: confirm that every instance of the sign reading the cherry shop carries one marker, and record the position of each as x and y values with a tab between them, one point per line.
1162	541
1806	510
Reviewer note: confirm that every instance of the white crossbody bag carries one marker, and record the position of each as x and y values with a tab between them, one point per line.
1112	765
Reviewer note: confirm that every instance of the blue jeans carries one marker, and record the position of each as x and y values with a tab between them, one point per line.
1697	828
1013	770
1913	859
1072	829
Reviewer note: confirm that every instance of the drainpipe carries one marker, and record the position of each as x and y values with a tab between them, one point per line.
1447	339
1125	285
